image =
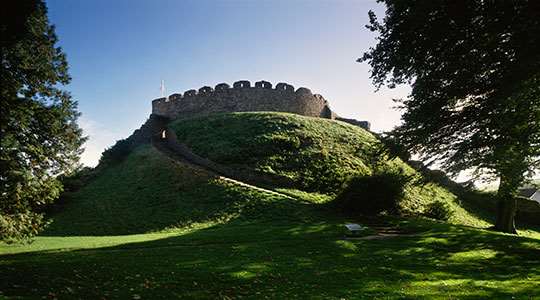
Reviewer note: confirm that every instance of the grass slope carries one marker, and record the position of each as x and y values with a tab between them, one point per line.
149	192
316	155
153	228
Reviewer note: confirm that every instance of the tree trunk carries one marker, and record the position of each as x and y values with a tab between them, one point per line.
506	207
506	211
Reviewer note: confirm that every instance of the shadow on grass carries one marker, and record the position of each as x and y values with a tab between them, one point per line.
483	206
283	262
149	192
210	202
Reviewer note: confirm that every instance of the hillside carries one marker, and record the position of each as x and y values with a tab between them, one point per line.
149	192
155	226
312	155
309	158
304	162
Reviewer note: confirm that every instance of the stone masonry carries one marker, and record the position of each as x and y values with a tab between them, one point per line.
244	97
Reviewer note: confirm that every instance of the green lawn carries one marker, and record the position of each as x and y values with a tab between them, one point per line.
278	261
153	228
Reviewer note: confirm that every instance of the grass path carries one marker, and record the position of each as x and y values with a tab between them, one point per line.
162	147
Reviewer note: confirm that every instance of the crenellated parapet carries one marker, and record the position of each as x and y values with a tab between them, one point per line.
239	85
243	97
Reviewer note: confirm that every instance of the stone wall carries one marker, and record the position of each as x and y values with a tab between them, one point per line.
243	97
151	128
361	124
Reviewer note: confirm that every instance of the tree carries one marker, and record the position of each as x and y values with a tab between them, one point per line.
40	138
474	68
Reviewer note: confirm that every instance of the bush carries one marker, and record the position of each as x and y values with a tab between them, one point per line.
75	180
438	210
116	153
20	227
71	182
371	195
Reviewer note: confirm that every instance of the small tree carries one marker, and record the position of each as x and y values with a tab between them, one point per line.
474	67
40	138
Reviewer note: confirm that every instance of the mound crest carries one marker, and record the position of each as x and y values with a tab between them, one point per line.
238	167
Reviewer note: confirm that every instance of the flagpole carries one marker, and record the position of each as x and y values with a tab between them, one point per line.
162	88
163	92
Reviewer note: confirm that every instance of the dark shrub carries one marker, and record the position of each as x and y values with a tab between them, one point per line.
116	153
71	182
528	211
438	210
77	179
370	195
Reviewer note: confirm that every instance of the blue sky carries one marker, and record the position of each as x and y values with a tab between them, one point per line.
119	50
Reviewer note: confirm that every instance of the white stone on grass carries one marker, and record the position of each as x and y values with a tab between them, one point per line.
354	228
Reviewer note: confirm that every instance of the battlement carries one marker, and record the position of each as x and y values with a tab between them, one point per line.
243	97
239	85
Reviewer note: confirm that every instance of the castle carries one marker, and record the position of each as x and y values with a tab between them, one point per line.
243	97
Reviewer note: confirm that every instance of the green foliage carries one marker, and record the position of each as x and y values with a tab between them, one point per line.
75	180
115	153
475	100
311	197
315	155
71	183
438	210
373	194
21	226
40	138
148	192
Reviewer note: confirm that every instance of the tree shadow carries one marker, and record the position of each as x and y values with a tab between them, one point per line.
283	262
167	194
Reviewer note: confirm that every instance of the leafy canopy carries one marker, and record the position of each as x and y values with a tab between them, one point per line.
40	138
474	67
474	71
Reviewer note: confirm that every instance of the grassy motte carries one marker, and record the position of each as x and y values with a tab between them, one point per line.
315	155
149	192
149	227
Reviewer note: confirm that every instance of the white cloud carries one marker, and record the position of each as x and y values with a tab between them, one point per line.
99	138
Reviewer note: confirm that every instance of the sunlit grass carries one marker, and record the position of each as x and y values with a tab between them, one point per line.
278	261
473	255
153	228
